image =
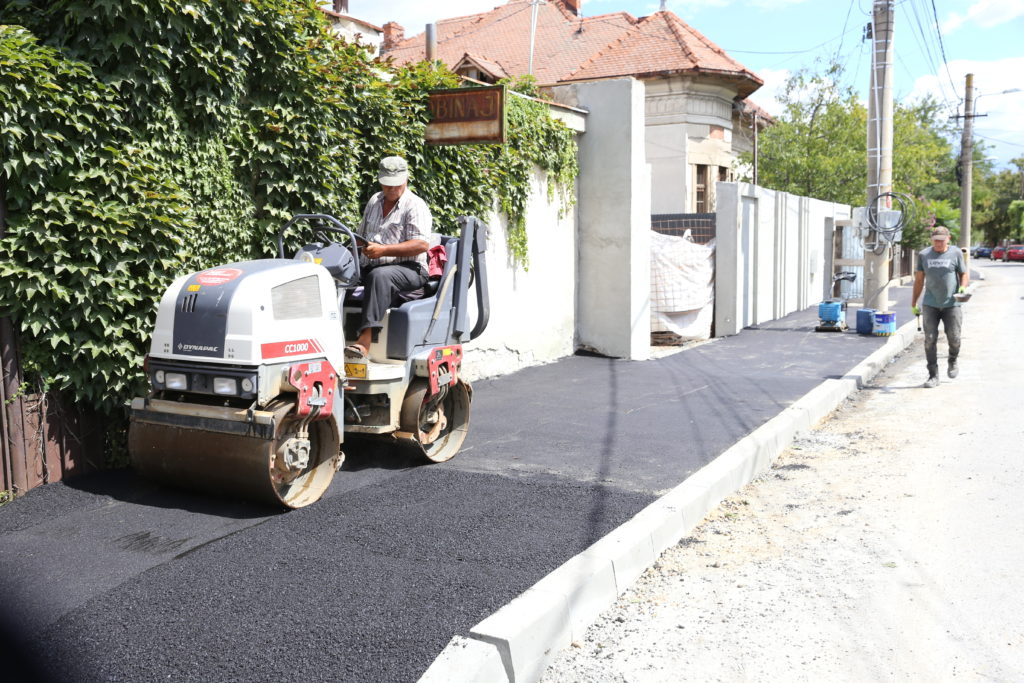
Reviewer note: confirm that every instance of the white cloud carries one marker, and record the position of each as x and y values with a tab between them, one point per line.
986	14
952	23
687	7
1000	127
767	96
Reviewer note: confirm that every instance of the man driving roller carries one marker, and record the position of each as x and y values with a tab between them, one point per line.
396	225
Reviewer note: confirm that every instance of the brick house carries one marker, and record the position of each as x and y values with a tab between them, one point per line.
697	117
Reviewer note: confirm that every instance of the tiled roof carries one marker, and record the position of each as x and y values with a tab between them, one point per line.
569	48
493	68
750	108
335	15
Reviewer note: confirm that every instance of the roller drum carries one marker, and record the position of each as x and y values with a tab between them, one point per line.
239	465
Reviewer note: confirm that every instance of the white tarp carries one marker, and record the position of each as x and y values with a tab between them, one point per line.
682	286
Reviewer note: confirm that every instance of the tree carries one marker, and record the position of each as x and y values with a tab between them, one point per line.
999	202
818	147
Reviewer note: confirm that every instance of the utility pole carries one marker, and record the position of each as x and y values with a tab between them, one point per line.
755	146
876	260
967	165
533	29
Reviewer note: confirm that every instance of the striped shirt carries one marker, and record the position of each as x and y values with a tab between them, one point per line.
409	220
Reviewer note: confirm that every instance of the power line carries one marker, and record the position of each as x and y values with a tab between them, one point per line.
922	38
1005	142
942	46
845	24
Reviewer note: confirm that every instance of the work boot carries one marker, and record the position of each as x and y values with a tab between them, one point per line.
953	369
933	381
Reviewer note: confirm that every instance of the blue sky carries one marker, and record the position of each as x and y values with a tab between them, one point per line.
773	38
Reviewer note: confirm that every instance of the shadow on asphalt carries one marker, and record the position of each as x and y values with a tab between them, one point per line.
126	486
378	454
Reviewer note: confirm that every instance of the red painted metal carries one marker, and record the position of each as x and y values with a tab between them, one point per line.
304	377
444	360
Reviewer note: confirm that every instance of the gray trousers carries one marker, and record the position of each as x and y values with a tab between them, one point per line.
952	320
382	283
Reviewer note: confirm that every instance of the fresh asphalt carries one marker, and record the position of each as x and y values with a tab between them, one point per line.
109	577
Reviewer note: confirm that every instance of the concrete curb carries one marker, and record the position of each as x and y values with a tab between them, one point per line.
516	643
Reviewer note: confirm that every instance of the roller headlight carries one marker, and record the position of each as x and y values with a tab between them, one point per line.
227	386
177	381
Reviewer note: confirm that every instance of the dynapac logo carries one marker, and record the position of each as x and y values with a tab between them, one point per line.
295	347
187	348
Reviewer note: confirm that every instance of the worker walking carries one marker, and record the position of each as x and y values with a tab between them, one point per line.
941	274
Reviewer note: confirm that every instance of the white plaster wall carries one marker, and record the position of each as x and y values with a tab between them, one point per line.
770	258
533	311
613	302
357	32
666	146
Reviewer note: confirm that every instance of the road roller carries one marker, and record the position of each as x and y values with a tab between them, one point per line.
251	394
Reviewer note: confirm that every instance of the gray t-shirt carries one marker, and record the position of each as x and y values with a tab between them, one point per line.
941	275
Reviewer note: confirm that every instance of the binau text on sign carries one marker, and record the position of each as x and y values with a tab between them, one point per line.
467	116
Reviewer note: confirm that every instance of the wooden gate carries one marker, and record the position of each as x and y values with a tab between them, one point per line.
43	438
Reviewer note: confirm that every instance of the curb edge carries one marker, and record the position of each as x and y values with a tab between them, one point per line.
516	643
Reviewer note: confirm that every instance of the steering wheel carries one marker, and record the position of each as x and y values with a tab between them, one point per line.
331	224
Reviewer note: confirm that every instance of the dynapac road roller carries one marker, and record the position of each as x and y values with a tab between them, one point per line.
251	394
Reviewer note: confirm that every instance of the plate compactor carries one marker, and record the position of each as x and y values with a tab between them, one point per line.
832	312
251	393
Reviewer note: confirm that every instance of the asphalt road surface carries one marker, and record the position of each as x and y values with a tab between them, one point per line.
112	578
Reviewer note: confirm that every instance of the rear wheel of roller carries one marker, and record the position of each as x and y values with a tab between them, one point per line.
438	424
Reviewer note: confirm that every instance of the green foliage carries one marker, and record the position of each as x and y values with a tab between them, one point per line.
533	139
93	230
1016	213
818	147
998	202
142	139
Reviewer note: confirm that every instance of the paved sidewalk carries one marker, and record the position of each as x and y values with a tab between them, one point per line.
688	429
122	579
879	547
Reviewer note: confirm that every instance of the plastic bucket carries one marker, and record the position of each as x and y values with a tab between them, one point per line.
830	311
885	324
866	321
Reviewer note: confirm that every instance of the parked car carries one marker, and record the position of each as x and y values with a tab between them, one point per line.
983	252
1015	252
997	253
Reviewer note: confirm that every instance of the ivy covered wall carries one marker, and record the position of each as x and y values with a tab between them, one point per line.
140	139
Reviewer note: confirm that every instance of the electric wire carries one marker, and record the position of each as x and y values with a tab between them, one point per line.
989	137
846	23
889	234
942	46
925	43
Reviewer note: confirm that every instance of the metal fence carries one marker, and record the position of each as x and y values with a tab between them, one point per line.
700	225
43	437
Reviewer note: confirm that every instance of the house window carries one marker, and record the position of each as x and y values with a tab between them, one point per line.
701	187
475	74
723	174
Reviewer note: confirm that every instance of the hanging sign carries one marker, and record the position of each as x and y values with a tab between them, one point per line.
466	116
